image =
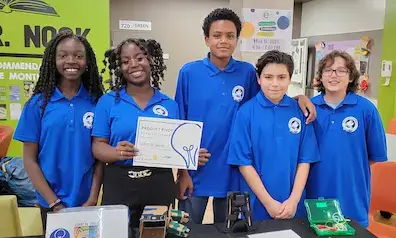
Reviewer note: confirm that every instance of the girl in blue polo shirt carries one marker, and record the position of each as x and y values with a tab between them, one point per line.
136	67
272	144
350	136
55	126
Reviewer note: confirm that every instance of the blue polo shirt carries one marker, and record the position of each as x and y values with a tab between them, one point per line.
349	137
116	120
274	139
63	135
210	95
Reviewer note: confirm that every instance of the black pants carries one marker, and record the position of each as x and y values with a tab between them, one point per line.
119	188
44	211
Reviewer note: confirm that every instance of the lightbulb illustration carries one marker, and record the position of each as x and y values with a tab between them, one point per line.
184	144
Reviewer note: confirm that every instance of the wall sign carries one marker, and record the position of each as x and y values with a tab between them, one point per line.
135	25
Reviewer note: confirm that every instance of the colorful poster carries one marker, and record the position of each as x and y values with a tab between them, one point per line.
266	29
26	27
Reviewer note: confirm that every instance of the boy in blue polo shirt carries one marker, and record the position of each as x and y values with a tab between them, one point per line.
211	91
55	126
350	136
272	144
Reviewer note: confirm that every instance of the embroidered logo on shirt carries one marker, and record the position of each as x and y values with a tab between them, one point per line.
88	119
350	124
238	92
160	110
295	125
139	174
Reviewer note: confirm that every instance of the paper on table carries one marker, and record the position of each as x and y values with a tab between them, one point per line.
167	143
277	234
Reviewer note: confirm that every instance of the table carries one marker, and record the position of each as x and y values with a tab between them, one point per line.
299	226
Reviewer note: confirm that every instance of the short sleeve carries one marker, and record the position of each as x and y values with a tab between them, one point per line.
308	150
29	125
101	125
375	137
240	151
254	87
181	94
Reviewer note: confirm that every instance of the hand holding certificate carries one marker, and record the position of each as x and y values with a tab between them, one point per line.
168	143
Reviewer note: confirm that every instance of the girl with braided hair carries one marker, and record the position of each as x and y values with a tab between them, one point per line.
55	126
136	69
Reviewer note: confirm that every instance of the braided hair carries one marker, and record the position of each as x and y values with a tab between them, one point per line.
49	76
150	48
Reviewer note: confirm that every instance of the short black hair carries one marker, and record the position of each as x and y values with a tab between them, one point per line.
221	14
49	75
151	48
275	57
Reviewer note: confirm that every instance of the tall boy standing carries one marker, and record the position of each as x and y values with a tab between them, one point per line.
211	91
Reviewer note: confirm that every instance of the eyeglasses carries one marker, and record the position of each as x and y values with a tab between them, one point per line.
339	72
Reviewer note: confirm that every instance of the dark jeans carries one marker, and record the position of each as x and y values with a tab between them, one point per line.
196	207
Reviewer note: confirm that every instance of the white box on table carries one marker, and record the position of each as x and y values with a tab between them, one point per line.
89	222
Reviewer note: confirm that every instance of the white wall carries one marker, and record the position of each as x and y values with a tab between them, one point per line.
327	17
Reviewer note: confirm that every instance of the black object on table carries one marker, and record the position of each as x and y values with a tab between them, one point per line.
299	226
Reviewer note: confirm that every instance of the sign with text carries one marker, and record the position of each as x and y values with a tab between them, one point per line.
168	143
26	28
266	29
135	25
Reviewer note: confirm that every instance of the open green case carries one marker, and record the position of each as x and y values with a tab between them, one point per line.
327	213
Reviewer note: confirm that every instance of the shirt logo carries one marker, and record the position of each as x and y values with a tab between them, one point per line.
238	92
160	110
60	233
88	119
295	125
350	124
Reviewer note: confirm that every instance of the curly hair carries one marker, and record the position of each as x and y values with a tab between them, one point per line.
354	74
49	76
221	14
275	57
151	48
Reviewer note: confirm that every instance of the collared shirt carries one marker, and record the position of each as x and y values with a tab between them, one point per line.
274	139
210	95
349	137
117	120
63	135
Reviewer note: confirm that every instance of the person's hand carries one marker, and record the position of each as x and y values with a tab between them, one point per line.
58	207
274	208
184	183
204	156
90	203
307	107
288	208
126	150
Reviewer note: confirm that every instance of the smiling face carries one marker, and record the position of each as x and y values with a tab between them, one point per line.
274	81
70	60
335	77
135	65
222	38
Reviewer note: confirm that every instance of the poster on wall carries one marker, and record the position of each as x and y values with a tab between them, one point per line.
266	29
359	50
299	52
26	27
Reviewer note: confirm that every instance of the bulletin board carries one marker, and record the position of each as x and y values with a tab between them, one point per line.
26	27
359	50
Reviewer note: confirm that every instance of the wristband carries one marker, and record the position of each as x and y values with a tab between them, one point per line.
54	203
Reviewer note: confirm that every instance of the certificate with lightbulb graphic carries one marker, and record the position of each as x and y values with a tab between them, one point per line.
168	143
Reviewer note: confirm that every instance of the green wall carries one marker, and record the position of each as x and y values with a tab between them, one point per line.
386	94
25	29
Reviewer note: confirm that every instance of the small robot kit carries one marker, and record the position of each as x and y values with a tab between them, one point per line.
326	218
239	217
163	222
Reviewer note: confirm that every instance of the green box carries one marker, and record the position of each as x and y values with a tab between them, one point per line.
327	213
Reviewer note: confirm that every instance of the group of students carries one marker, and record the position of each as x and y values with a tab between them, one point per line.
255	137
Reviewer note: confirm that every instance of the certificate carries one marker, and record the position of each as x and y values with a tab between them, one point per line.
167	143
